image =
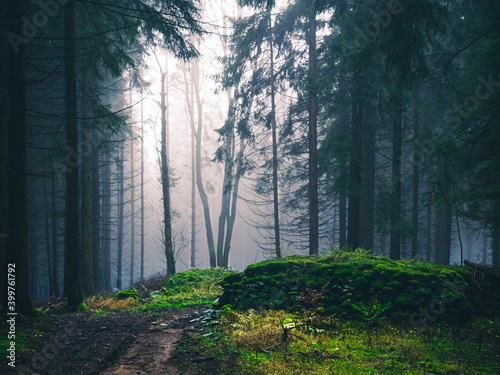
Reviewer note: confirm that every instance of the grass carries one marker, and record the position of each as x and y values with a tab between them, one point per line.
276	342
189	288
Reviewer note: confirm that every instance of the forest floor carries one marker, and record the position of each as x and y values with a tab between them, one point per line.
167	326
117	344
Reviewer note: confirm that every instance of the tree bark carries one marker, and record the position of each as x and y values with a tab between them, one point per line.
86	205
55	253
121	192
367	180
165	177
313	136
106	219
96	218
142	186
395	246
16	237
195	74
277	240
72	250
132	197
495	236
355	169
416	180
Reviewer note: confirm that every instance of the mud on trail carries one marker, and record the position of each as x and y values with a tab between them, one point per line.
118	344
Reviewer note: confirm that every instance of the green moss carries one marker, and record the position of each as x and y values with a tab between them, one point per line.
126	294
352	278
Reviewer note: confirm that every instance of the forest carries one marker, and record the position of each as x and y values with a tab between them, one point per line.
140	139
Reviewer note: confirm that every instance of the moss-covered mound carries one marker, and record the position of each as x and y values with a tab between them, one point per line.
354	285
126	294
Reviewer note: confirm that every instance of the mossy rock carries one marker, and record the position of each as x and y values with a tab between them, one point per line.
126	294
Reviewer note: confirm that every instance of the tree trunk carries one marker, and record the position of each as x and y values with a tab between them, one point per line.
16	254
495	236
132	198
86	208
73	284
277	240
313	136
428	246
195	74
96	218
395	246
342	220
106	219
165	177
142	187
121	192
226	189
48	248
232	217
367	180
355	170
416	179
55	254
4	74
193	193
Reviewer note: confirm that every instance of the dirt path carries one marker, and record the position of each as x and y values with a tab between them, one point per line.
118	344
151	351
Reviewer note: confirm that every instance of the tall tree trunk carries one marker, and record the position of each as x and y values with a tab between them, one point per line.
4	73
495	236
232	216
226	187
48	248
121	193
313	136
193	193
277	240
165	177
96	217
355	169
195	74
416	178
367	180
132	198
106	219
395	246
17	255
142	186
428	246
190	104
342	220
72	228
86	207
55	254
228	137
